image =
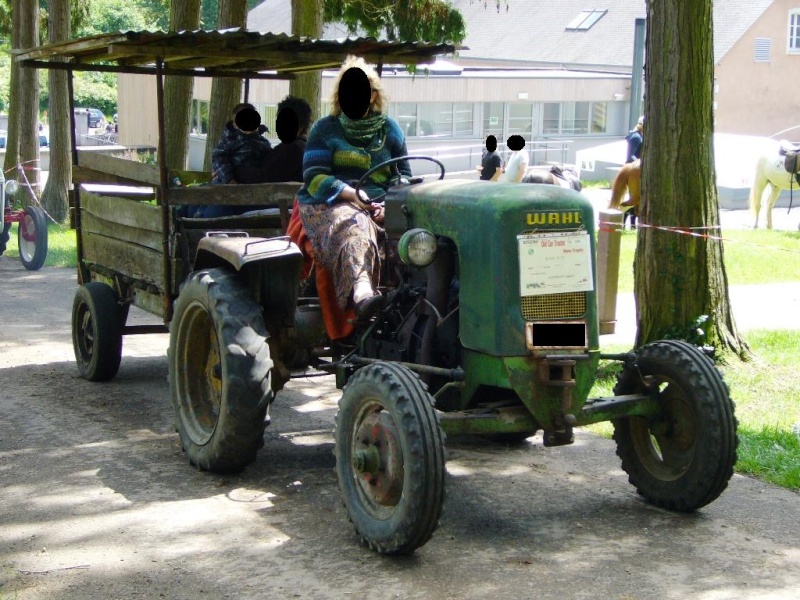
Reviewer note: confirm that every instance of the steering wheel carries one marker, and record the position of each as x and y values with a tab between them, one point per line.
393	161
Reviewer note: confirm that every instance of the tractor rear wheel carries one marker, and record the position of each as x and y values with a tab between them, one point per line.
219	371
390	458
682	458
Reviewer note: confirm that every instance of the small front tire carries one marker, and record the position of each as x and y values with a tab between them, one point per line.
390	458
682	458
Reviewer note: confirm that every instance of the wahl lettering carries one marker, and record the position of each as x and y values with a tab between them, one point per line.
554	218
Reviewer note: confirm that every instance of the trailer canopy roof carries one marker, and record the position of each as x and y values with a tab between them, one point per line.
223	53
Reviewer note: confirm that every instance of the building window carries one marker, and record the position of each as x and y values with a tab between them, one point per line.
493	117
520	120
585	20
435	119
199	117
794	31
464	119
551	118
407	118
762	51
574	118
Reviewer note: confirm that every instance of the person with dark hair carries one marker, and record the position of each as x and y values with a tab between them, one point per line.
635	139
517	164
491	164
238	157
342	226
242	149
285	162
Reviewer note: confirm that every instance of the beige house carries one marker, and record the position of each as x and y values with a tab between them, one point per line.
557	74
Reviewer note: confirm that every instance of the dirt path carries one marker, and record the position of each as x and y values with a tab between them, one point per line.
97	500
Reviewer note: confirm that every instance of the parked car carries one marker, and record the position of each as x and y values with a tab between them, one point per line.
96	118
43	141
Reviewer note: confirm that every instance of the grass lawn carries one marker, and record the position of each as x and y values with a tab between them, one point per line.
766	390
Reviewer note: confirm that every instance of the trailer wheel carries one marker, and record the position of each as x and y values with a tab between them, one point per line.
390	458
97	321
219	371
32	238
683	458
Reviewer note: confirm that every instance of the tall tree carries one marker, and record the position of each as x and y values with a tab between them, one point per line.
23	116
183	15
307	22
226	92
55	194
691	281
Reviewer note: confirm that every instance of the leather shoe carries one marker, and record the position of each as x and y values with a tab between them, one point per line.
369	307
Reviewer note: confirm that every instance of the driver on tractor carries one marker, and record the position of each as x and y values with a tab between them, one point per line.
342	226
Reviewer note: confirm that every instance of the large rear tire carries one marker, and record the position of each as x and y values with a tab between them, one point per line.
32	238
219	371
390	458
683	458
97	322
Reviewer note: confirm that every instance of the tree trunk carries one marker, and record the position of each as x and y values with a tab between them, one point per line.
680	277
226	92
183	15
14	100
25	110
307	21
55	194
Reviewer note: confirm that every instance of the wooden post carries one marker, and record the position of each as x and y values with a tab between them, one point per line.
609	237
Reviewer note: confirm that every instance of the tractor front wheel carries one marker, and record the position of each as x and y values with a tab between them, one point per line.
682	458
390	458
219	371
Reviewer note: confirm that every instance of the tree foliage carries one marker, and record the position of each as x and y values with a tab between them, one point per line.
418	20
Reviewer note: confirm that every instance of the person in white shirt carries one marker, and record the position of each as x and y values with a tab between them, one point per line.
517	163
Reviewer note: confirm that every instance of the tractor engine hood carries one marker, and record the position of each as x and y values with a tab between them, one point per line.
484	220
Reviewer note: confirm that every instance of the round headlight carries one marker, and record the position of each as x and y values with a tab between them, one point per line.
11	187
417	247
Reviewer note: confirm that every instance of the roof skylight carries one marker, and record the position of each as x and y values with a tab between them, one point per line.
586	19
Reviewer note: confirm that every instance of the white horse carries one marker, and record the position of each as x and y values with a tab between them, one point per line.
770	171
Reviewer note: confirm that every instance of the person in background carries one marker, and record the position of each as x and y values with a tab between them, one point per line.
635	139
342	226
491	163
517	163
285	162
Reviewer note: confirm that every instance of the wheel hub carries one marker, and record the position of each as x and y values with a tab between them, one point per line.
378	459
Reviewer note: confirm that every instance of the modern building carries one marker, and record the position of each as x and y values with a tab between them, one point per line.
556	73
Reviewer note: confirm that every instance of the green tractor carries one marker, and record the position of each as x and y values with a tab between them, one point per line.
490	327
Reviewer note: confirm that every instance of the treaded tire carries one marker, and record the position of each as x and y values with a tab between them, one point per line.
386	412
219	371
683	459
97	322
32	238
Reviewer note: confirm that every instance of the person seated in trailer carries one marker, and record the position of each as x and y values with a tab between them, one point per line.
285	162
238	157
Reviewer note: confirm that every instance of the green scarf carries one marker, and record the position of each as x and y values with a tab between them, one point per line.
362	131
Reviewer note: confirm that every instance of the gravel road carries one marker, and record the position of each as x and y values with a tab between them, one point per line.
98	502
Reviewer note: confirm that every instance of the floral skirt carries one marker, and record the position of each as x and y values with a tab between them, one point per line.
345	242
